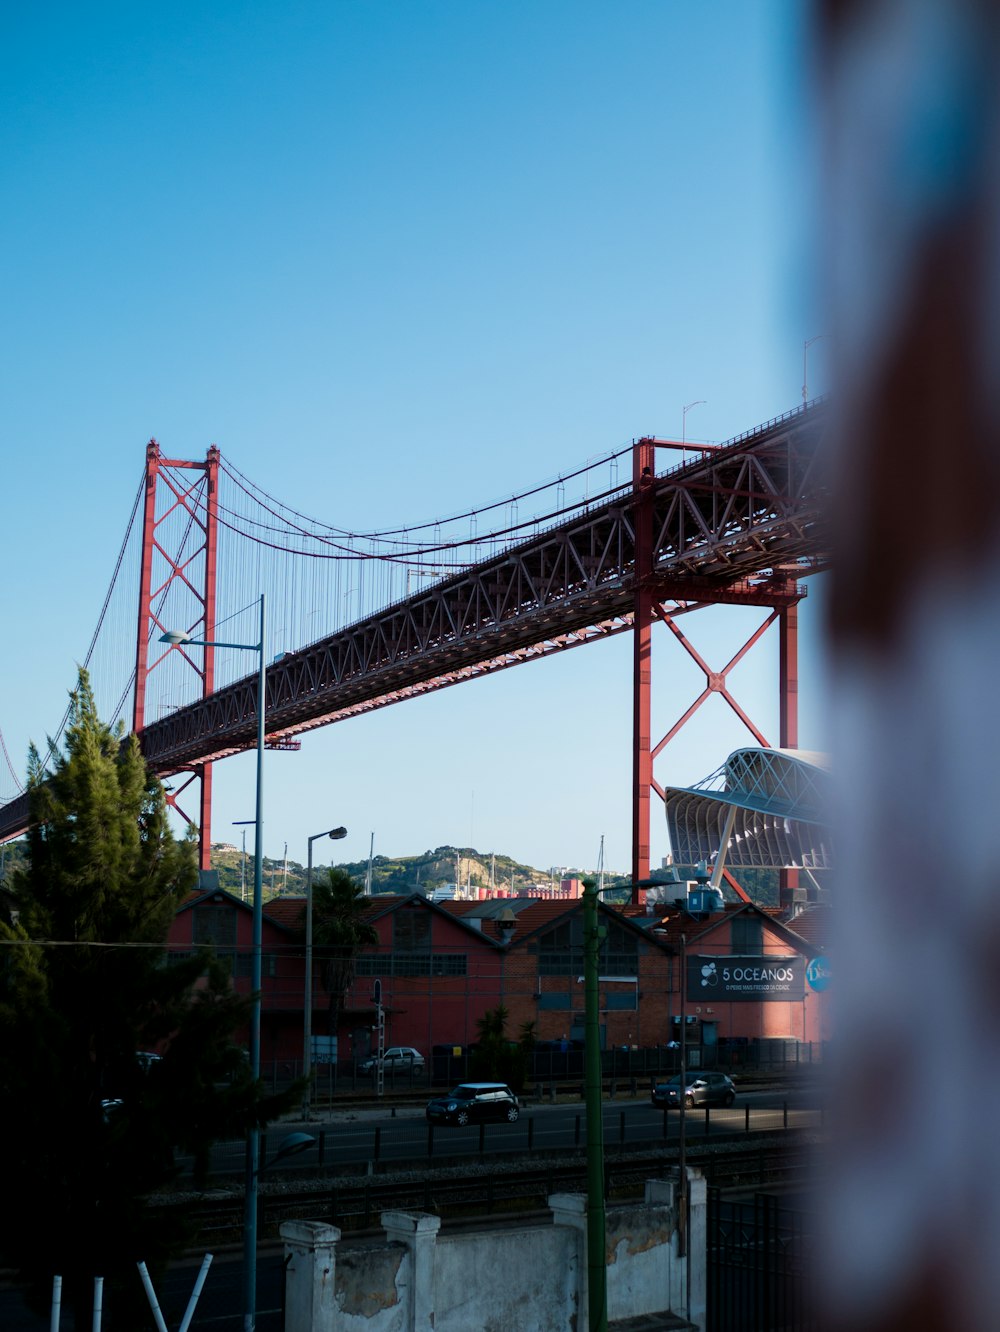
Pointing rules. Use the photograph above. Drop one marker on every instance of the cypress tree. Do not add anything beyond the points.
(86, 985)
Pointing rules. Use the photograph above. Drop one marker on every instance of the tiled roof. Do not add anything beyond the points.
(453, 908)
(815, 925)
(669, 927)
(539, 912)
(383, 903)
(530, 913)
(285, 911)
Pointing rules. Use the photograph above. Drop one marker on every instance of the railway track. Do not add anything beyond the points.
(461, 1194)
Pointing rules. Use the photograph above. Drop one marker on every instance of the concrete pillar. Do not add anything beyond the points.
(570, 1210)
(688, 1283)
(697, 1249)
(418, 1231)
(310, 1254)
(661, 1193)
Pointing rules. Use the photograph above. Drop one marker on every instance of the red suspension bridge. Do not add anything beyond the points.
(373, 618)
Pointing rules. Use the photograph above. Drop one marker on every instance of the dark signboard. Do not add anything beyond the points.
(734, 977)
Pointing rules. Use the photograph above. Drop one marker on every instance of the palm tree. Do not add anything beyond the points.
(340, 933)
(496, 1055)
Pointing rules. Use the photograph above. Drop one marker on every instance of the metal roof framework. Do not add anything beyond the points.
(762, 809)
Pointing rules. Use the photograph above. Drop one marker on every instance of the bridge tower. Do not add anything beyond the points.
(780, 595)
(194, 568)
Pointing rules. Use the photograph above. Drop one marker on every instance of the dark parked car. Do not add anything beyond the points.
(700, 1089)
(473, 1101)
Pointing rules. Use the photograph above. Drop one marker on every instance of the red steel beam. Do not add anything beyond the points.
(157, 474)
(643, 470)
(788, 705)
(145, 578)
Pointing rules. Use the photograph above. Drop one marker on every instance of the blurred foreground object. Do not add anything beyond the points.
(911, 101)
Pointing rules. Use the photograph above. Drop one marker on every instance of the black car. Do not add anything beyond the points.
(474, 1101)
(699, 1089)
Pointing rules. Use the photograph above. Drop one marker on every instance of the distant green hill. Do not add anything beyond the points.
(411, 874)
(401, 874)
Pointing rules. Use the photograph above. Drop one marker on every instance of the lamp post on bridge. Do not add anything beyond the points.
(698, 402)
(805, 364)
(334, 834)
(178, 638)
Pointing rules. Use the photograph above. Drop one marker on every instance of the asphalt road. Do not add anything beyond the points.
(373, 1134)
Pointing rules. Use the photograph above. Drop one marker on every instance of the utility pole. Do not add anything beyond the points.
(593, 933)
(682, 1198)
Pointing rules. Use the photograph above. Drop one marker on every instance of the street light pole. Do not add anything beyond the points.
(698, 402)
(334, 834)
(253, 1136)
(177, 638)
(682, 1189)
(597, 1304)
(243, 860)
(597, 1271)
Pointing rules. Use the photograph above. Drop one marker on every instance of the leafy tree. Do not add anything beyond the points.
(340, 933)
(85, 983)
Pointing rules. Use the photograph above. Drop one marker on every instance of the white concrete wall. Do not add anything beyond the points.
(506, 1279)
(529, 1279)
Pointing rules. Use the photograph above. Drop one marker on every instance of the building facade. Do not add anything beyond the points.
(734, 977)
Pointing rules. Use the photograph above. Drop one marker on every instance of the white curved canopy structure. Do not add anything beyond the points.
(763, 809)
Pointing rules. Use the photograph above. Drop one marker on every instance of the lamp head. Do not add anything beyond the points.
(293, 1143)
(335, 834)
(175, 636)
(290, 1145)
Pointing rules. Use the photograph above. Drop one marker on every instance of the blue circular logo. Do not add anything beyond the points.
(818, 973)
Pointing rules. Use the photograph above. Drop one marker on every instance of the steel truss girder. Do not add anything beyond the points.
(730, 527)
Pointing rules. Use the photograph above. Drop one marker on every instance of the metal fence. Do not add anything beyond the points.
(412, 1142)
(760, 1254)
(445, 1068)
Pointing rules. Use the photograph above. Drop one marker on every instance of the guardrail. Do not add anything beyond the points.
(411, 1143)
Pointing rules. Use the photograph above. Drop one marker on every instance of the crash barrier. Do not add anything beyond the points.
(412, 1141)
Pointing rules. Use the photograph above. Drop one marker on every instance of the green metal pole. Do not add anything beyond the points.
(597, 1294)
(253, 1134)
(681, 1107)
(308, 998)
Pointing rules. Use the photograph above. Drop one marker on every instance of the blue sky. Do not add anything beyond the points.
(397, 260)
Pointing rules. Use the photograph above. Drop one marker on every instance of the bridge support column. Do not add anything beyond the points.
(643, 458)
(788, 701)
(201, 504)
(205, 818)
(145, 581)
